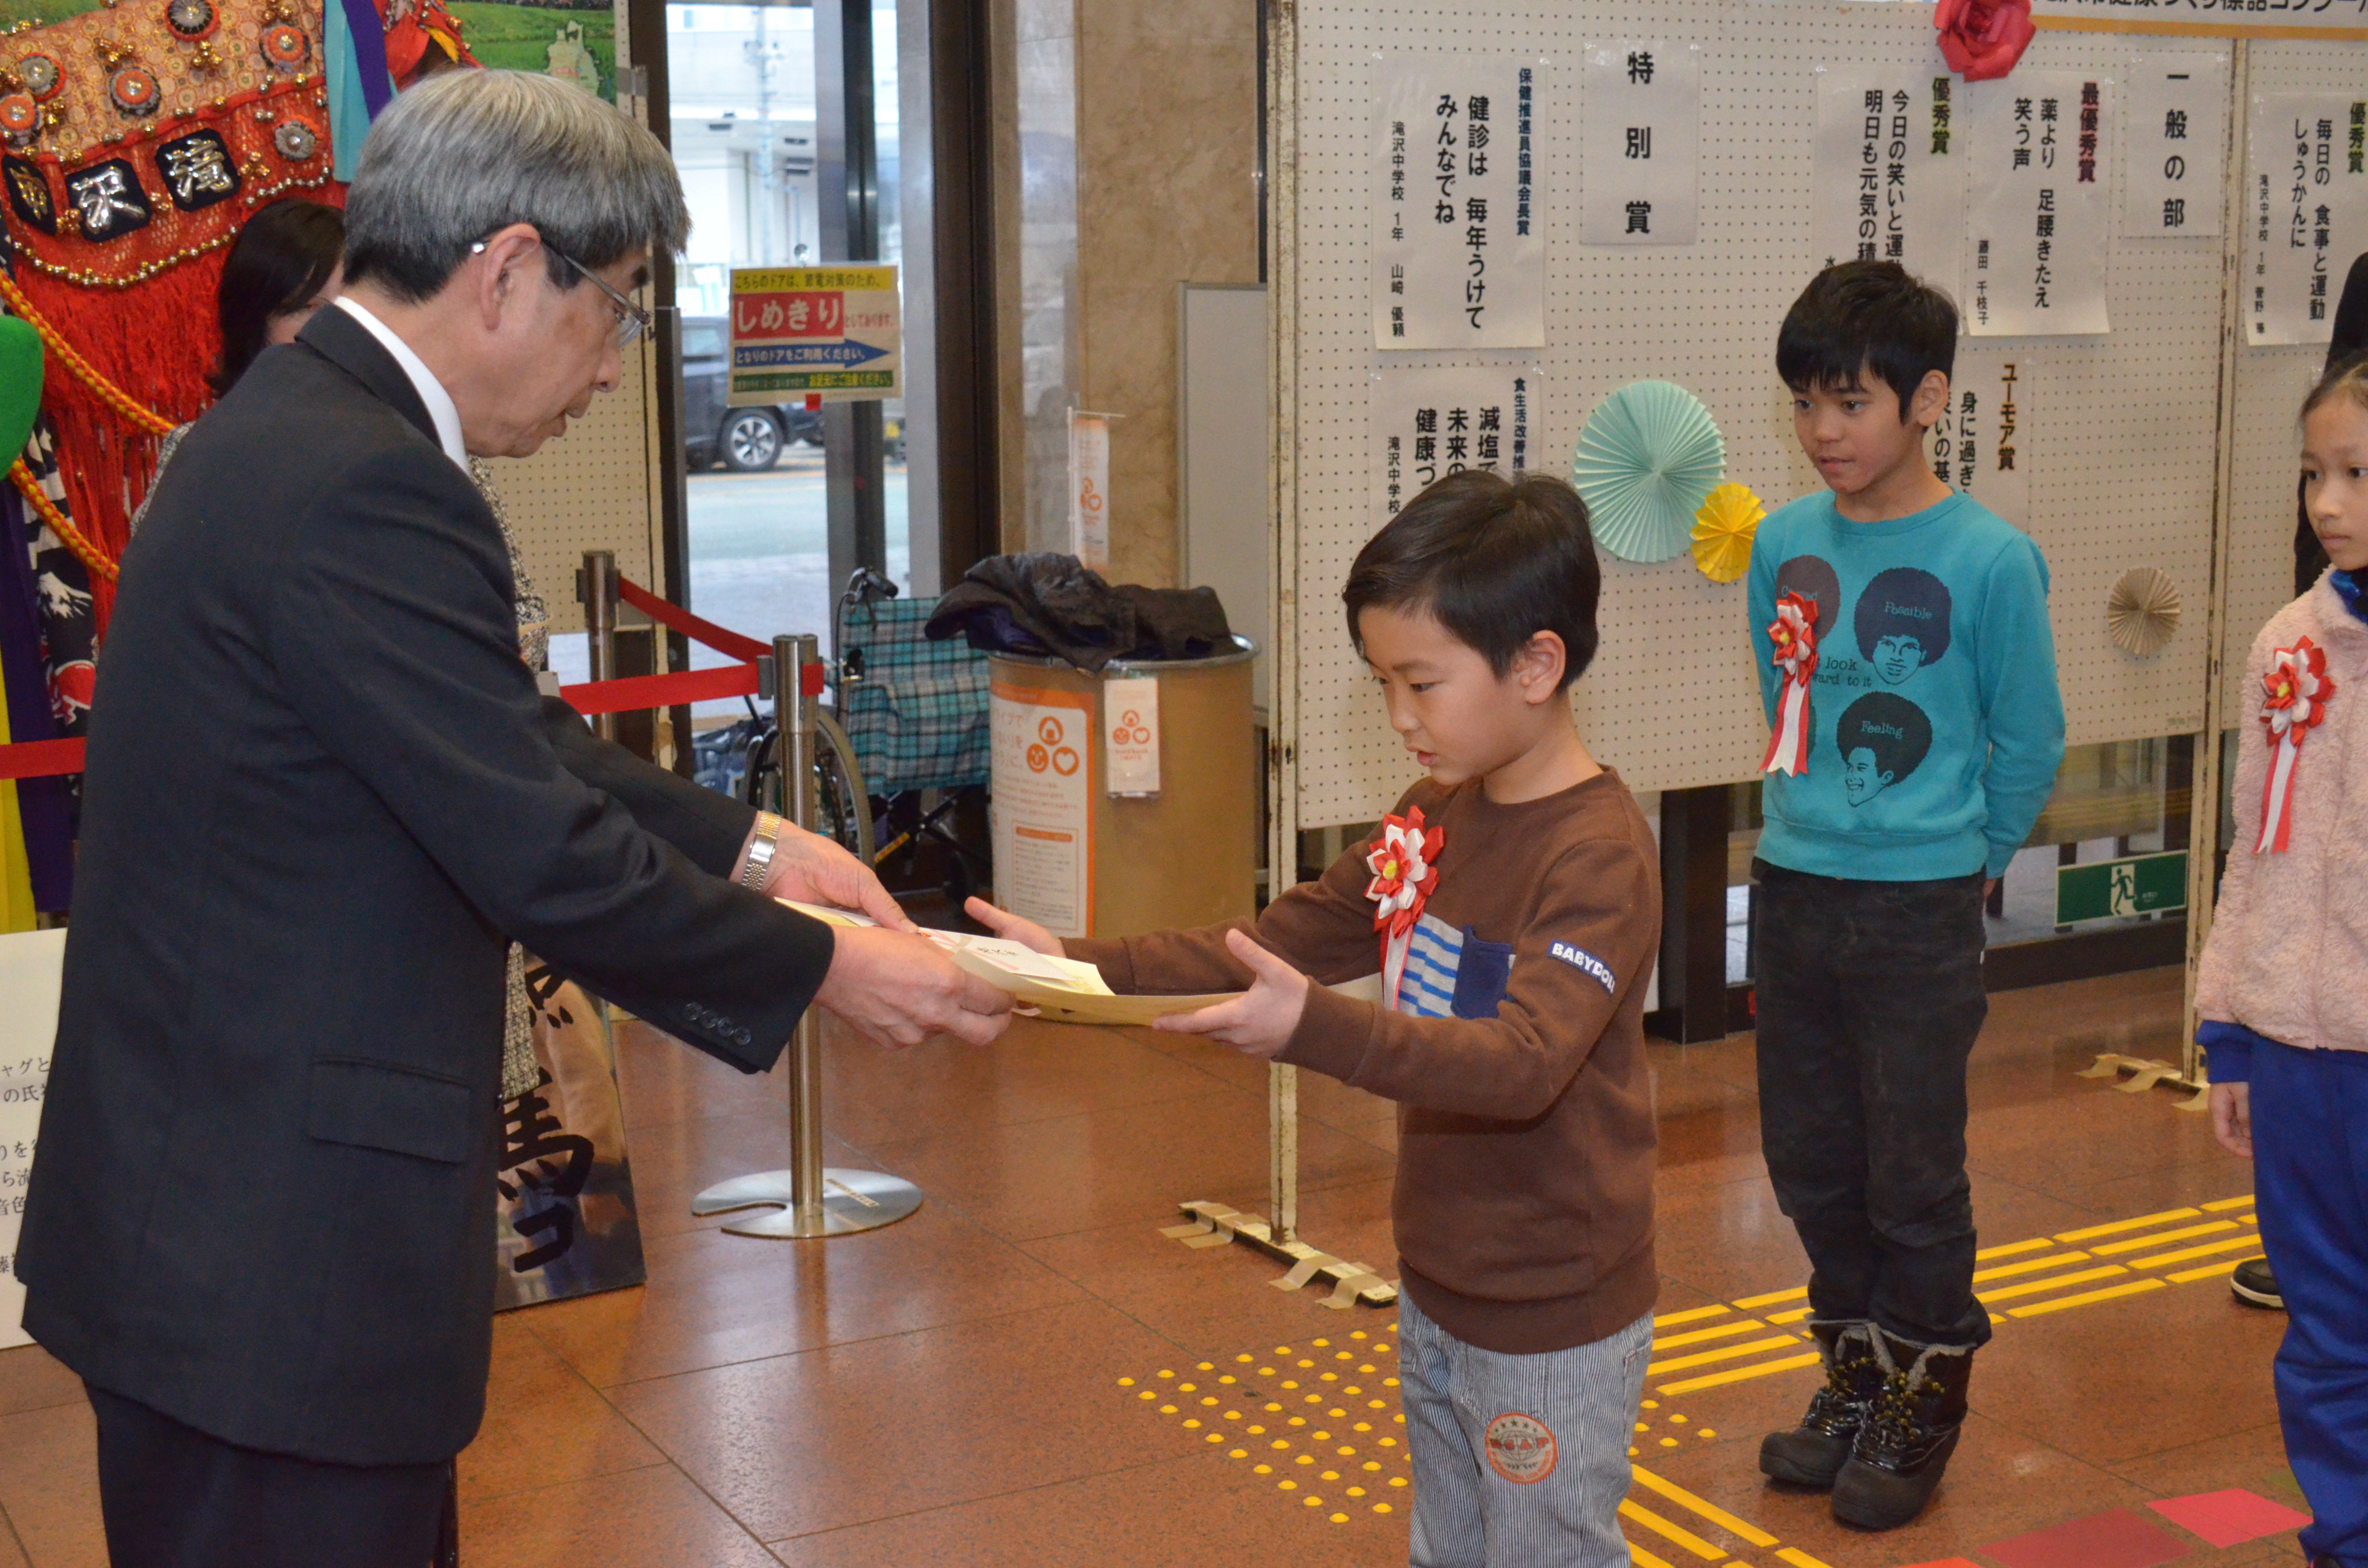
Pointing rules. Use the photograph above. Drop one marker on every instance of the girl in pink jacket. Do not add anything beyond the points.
(2282, 988)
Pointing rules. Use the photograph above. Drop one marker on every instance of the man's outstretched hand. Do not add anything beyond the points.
(1261, 1020)
(900, 990)
(1014, 928)
(814, 870)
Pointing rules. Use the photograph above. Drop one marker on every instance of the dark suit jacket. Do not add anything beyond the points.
(323, 791)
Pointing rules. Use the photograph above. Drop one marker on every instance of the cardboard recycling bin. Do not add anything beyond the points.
(1127, 800)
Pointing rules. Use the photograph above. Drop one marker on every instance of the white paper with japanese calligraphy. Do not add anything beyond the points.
(2307, 210)
(1640, 135)
(1459, 238)
(1887, 183)
(2176, 154)
(32, 966)
(1430, 422)
(1982, 446)
(2222, 16)
(2037, 231)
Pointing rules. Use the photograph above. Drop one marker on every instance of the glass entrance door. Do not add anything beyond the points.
(742, 90)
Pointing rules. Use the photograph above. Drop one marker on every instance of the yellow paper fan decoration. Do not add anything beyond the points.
(1723, 528)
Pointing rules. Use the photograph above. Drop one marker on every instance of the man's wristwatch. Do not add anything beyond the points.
(761, 852)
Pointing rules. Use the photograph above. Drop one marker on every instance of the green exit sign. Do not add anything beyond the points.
(2135, 884)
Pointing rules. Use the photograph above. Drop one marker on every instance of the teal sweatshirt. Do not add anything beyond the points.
(1935, 725)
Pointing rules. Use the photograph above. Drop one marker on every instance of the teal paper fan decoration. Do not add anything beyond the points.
(1648, 458)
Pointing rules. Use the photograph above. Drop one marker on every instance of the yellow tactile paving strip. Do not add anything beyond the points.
(2018, 1279)
(1321, 1419)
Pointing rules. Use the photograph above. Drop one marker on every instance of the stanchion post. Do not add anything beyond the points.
(807, 1200)
(596, 590)
(794, 719)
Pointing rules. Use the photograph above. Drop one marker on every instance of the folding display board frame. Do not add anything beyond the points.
(2211, 502)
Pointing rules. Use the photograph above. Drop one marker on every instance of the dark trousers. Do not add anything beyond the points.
(2310, 1172)
(1869, 997)
(174, 1497)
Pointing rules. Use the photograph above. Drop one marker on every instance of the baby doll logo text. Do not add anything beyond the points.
(1586, 963)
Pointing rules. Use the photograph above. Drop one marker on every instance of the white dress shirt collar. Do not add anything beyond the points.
(441, 406)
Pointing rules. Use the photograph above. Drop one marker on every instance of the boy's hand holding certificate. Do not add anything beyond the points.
(1061, 989)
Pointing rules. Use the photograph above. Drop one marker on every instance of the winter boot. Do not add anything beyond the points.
(1813, 1453)
(1910, 1432)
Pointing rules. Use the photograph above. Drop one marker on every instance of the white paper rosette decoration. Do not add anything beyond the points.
(1648, 458)
(2142, 611)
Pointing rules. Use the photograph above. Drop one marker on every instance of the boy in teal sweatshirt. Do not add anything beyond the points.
(1909, 676)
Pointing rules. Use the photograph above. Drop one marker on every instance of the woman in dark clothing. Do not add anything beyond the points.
(286, 263)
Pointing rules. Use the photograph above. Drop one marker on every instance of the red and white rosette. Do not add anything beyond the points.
(1792, 636)
(2294, 702)
(1404, 861)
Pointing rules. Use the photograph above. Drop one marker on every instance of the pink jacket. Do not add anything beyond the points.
(2288, 953)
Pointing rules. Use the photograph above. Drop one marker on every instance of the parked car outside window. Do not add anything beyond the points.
(747, 439)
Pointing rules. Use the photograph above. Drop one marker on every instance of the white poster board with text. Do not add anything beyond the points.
(31, 966)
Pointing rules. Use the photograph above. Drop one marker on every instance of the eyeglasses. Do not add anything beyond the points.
(631, 320)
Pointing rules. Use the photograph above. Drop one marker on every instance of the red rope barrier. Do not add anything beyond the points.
(631, 693)
(45, 759)
(40, 759)
(691, 626)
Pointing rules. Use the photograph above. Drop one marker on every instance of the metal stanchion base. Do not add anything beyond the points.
(852, 1201)
(1214, 1224)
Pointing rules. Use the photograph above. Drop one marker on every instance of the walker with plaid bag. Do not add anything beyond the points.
(916, 713)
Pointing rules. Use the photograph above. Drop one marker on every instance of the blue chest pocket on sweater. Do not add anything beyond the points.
(1451, 973)
(1480, 979)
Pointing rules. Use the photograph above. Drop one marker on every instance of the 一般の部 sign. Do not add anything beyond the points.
(836, 332)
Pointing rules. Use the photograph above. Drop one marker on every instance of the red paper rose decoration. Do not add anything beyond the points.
(1981, 39)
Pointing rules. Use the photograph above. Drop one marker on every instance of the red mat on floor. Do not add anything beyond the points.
(2118, 1539)
(2229, 1518)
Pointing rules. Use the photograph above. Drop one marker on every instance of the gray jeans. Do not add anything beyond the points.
(1520, 1461)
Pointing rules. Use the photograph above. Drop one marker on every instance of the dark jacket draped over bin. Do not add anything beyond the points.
(1043, 603)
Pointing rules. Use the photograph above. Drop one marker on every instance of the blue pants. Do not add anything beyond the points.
(1520, 1461)
(2310, 1165)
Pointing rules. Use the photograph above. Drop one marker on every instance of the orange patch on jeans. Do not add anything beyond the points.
(1521, 1449)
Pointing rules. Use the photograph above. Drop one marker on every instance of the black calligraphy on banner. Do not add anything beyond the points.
(2309, 209)
(2035, 213)
(1430, 423)
(1881, 191)
(1474, 274)
(1640, 125)
(539, 1157)
(567, 1225)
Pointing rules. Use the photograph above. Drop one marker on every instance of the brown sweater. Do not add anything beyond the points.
(1526, 1146)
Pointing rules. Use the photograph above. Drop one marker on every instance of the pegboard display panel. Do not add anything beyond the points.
(2120, 429)
(2270, 385)
(588, 490)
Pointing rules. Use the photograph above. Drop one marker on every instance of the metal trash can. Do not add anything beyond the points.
(1082, 862)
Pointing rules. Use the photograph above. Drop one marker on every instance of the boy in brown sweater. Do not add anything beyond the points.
(1512, 904)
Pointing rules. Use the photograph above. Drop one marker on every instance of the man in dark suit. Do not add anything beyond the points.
(322, 793)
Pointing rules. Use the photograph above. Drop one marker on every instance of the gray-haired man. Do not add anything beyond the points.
(322, 792)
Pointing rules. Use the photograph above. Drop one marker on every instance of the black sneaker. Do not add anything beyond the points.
(2253, 1284)
(1813, 1453)
(1911, 1429)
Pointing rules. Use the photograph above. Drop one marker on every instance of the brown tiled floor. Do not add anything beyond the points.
(946, 1391)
